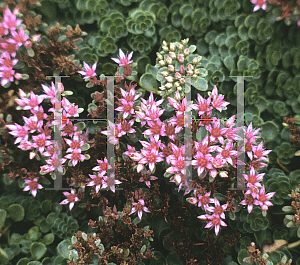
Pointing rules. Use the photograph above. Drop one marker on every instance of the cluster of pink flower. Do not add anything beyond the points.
(210, 158)
(10, 45)
(150, 113)
(253, 196)
(42, 141)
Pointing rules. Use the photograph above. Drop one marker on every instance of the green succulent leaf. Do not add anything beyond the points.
(80, 126)
(242, 258)
(2, 218)
(200, 83)
(269, 130)
(38, 250)
(16, 212)
(3, 256)
(148, 82)
(49, 238)
(63, 249)
(287, 209)
(229, 62)
(23, 261)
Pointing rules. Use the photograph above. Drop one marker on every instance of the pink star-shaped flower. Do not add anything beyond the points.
(139, 207)
(124, 60)
(71, 198)
(88, 72)
(33, 186)
(259, 4)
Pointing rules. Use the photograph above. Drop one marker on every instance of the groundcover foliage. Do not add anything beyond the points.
(150, 211)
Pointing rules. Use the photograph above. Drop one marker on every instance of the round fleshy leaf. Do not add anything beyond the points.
(3, 256)
(16, 212)
(148, 82)
(80, 126)
(242, 257)
(49, 238)
(25, 76)
(192, 48)
(200, 83)
(38, 250)
(85, 147)
(23, 261)
(229, 62)
(141, 64)
(62, 248)
(269, 130)
(30, 52)
(2, 218)
(287, 209)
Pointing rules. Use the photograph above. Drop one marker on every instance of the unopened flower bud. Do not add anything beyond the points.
(169, 60)
(190, 72)
(36, 37)
(169, 78)
(195, 60)
(161, 62)
(28, 44)
(223, 174)
(172, 46)
(181, 69)
(162, 88)
(186, 51)
(32, 155)
(165, 48)
(190, 67)
(159, 56)
(180, 46)
(197, 71)
(177, 95)
(184, 42)
(194, 75)
(182, 80)
(21, 93)
(16, 11)
(18, 76)
(165, 43)
(176, 84)
(164, 73)
(168, 85)
(179, 88)
(177, 75)
(171, 67)
(173, 55)
(180, 58)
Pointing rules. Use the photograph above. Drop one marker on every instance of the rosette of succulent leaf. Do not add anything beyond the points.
(176, 62)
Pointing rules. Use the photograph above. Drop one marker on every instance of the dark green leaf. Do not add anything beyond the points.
(38, 250)
(16, 212)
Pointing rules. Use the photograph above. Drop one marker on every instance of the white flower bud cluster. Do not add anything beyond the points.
(174, 78)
